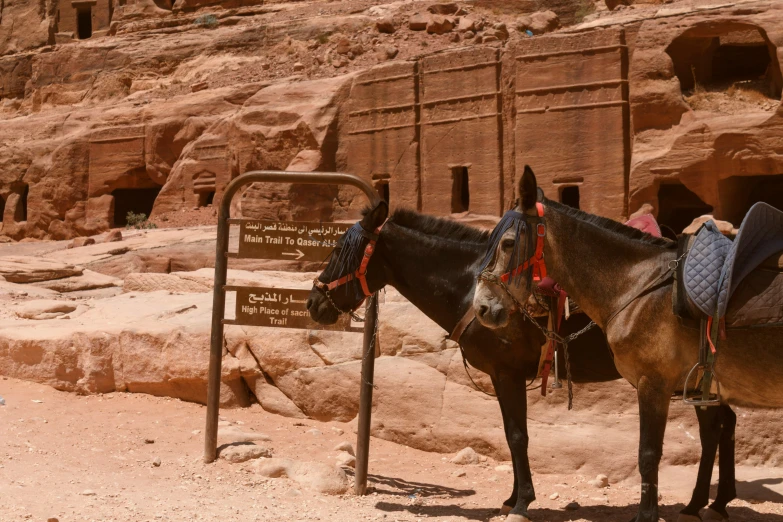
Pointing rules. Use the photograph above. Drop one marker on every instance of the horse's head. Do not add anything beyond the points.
(506, 274)
(353, 272)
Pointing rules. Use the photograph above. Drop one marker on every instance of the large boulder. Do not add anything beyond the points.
(539, 22)
(441, 24)
(419, 21)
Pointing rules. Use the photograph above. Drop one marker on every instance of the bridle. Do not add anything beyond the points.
(359, 274)
(536, 261)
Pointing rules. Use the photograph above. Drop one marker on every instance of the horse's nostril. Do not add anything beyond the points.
(309, 303)
(482, 311)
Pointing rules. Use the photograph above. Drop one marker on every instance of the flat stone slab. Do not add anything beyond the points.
(23, 269)
(88, 280)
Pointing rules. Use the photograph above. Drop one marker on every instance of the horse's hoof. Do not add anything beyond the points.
(517, 518)
(688, 518)
(505, 509)
(713, 516)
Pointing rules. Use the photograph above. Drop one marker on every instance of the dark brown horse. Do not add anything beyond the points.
(432, 262)
(614, 273)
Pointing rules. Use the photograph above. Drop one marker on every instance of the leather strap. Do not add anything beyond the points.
(361, 272)
(663, 278)
(557, 321)
(537, 259)
(462, 325)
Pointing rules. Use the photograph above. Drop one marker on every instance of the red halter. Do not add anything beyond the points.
(537, 259)
(361, 272)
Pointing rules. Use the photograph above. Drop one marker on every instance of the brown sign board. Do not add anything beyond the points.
(279, 308)
(293, 241)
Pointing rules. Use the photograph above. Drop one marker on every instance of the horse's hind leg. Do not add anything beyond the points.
(653, 410)
(511, 393)
(509, 504)
(727, 490)
(710, 435)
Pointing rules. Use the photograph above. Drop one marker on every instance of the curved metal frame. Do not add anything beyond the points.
(219, 309)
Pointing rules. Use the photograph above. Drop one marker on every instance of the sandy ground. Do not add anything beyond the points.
(91, 458)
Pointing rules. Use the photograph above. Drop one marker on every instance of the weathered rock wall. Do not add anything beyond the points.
(716, 152)
(606, 112)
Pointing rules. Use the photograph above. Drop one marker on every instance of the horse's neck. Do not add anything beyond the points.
(436, 275)
(598, 269)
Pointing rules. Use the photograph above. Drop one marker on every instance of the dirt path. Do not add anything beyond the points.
(93, 458)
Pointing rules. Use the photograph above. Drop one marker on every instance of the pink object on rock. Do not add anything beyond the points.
(645, 223)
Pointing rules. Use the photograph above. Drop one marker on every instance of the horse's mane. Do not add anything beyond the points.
(613, 226)
(441, 227)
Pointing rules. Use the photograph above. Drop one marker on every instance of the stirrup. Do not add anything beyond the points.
(698, 400)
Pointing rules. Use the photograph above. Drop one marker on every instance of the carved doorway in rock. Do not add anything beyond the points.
(736, 61)
(205, 199)
(739, 193)
(17, 201)
(570, 196)
(678, 206)
(21, 208)
(84, 20)
(136, 200)
(460, 189)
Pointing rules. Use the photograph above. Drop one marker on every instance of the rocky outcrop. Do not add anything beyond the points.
(154, 338)
(703, 143)
(158, 112)
(271, 131)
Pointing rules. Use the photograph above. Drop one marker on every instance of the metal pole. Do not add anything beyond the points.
(557, 384)
(221, 271)
(365, 395)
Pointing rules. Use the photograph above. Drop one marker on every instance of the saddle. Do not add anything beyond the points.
(738, 281)
(729, 284)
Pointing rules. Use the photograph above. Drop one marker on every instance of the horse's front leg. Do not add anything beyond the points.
(511, 395)
(653, 410)
(509, 504)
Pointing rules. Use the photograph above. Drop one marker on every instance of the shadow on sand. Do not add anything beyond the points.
(588, 513)
(755, 490)
(401, 487)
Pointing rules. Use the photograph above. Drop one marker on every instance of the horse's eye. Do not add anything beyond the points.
(507, 244)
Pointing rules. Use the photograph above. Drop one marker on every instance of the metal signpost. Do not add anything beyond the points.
(284, 308)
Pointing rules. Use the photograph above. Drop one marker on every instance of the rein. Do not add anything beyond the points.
(537, 263)
(551, 335)
(359, 274)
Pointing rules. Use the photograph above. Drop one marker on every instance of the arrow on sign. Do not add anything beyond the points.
(300, 254)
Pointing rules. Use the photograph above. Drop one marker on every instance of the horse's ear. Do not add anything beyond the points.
(540, 194)
(376, 216)
(528, 189)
